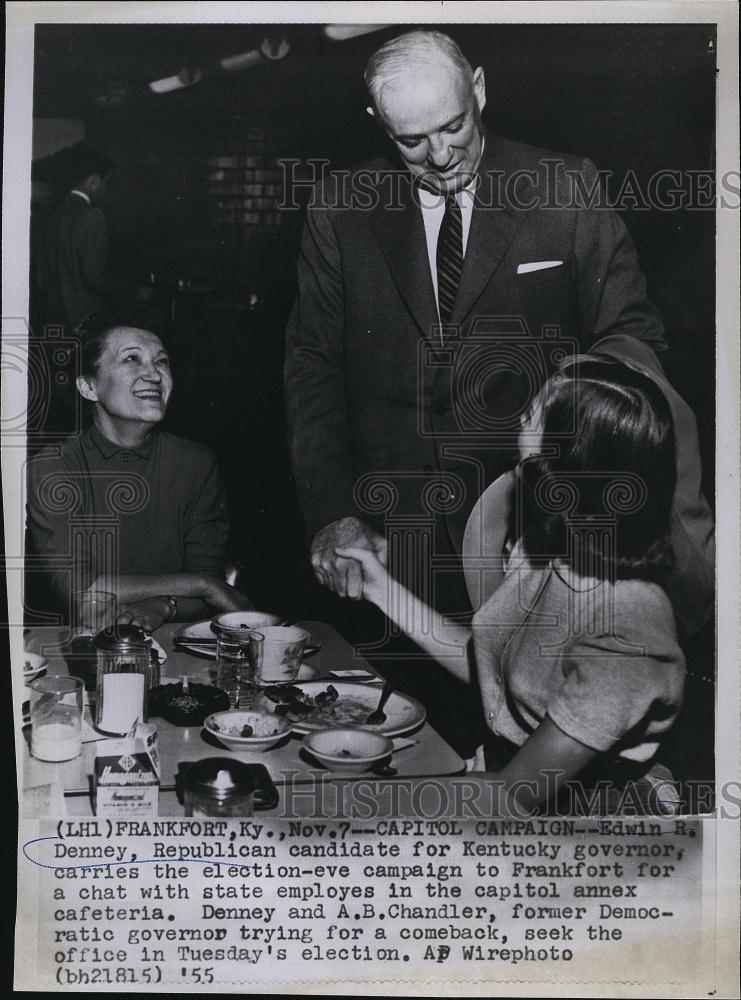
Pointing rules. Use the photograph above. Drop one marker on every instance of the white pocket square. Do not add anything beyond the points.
(537, 265)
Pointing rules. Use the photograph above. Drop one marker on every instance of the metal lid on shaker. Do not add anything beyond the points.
(220, 778)
(122, 639)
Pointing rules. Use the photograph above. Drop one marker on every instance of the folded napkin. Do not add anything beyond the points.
(401, 743)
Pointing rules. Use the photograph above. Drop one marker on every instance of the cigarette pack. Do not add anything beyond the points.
(126, 775)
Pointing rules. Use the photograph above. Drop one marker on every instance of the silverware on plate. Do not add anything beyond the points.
(378, 715)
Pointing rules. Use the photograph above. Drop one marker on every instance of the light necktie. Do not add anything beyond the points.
(449, 257)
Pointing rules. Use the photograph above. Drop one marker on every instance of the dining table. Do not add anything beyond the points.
(420, 753)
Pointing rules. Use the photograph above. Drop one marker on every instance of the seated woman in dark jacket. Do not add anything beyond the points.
(123, 506)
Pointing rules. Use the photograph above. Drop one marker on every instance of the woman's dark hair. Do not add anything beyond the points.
(94, 329)
(599, 496)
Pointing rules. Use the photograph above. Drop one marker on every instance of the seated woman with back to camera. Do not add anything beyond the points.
(127, 508)
(576, 650)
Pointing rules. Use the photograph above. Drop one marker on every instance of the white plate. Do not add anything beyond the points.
(202, 630)
(403, 713)
(196, 631)
(38, 666)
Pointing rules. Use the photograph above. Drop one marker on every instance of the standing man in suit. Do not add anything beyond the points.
(436, 292)
(74, 274)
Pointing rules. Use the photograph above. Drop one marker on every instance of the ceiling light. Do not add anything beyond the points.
(341, 32)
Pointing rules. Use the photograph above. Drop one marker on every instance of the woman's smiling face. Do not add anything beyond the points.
(132, 382)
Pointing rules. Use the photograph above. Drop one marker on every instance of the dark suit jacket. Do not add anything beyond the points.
(386, 417)
(73, 269)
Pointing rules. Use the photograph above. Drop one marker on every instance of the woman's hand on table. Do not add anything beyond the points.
(223, 597)
(148, 614)
(198, 594)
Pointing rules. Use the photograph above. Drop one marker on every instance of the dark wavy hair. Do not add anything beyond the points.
(599, 496)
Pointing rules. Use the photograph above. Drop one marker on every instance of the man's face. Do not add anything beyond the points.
(132, 383)
(95, 186)
(433, 117)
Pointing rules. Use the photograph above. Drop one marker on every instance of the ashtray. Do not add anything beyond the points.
(189, 707)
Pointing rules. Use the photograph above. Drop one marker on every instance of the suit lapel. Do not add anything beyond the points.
(494, 224)
(401, 236)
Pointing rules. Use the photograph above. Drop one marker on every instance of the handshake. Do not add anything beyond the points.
(350, 559)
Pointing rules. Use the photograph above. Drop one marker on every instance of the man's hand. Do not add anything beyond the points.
(342, 575)
(147, 614)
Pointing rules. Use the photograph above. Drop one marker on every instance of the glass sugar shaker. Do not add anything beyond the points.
(123, 678)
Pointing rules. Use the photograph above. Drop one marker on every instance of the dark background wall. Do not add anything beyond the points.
(196, 192)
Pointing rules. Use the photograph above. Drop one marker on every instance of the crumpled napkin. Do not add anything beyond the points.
(160, 650)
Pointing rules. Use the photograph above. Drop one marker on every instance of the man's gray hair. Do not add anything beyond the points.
(418, 48)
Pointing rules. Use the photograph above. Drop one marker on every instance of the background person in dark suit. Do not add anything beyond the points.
(74, 274)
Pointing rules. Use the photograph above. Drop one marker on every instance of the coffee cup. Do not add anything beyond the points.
(279, 656)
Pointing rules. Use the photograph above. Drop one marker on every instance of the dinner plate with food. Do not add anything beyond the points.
(321, 705)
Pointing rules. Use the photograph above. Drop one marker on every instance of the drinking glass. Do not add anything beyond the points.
(56, 717)
(235, 667)
(93, 611)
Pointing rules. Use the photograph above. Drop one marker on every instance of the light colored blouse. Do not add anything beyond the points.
(600, 659)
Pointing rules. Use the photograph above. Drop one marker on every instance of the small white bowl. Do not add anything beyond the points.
(347, 750)
(235, 623)
(33, 665)
(268, 729)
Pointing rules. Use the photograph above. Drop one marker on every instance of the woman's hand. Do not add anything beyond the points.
(148, 614)
(222, 597)
(375, 576)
